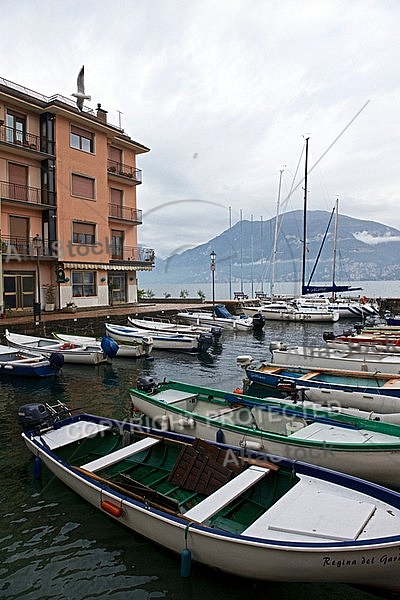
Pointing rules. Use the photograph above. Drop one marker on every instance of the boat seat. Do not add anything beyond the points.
(226, 494)
(114, 457)
(68, 434)
(171, 396)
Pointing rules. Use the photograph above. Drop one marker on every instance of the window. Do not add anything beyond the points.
(19, 233)
(116, 202)
(117, 244)
(83, 233)
(83, 186)
(16, 128)
(18, 181)
(81, 139)
(83, 284)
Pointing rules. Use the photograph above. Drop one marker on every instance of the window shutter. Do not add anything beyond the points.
(83, 186)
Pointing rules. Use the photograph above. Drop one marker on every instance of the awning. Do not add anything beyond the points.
(107, 267)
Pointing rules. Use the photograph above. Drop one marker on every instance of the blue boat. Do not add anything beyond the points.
(22, 363)
(354, 389)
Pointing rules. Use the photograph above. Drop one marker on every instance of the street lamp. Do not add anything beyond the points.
(213, 256)
(37, 243)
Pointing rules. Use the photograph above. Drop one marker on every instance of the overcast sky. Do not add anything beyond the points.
(223, 93)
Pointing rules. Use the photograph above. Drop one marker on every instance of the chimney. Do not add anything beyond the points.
(101, 114)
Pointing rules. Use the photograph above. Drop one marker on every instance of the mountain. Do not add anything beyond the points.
(366, 251)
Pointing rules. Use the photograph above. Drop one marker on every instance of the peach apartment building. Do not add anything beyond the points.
(69, 215)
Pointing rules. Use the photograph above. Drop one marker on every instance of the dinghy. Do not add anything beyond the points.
(161, 341)
(245, 514)
(133, 350)
(21, 363)
(379, 392)
(333, 358)
(223, 318)
(80, 354)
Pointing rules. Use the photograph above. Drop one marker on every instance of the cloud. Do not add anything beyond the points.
(236, 84)
(372, 240)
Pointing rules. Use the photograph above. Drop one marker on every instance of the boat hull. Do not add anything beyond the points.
(170, 342)
(326, 358)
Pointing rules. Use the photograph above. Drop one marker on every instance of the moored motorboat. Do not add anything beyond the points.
(79, 354)
(221, 317)
(379, 392)
(278, 311)
(177, 342)
(249, 514)
(155, 325)
(15, 362)
(333, 358)
(357, 446)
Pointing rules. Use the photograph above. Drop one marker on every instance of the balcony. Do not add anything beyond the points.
(23, 248)
(23, 141)
(125, 213)
(16, 193)
(132, 254)
(127, 172)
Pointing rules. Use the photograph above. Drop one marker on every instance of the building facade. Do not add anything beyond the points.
(69, 216)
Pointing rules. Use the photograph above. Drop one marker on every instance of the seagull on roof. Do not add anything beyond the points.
(80, 94)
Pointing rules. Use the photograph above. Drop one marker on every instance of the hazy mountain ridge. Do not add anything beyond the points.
(366, 250)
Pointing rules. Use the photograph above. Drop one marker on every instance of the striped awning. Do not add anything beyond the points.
(107, 267)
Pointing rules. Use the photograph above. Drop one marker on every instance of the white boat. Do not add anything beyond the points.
(263, 518)
(343, 442)
(177, 342)
(229, 321)
(287, 311)
(155, 325)
(136, 350)
(347, 308)
(80, 354)
(333, 358)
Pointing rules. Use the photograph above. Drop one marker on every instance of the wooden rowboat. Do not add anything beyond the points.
(250, 515)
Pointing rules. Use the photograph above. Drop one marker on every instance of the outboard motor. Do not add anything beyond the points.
(56, 360)
(205, 342)
(32, 415)
(109, 346)
(328, 336)
(40, 416)
(216, 331)
(146, 384)
(258, 321)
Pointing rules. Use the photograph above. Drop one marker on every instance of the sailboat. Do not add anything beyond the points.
(345, 307)
(289, 310)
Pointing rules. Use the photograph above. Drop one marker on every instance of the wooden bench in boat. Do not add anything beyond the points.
(226, 494)
(114, 457)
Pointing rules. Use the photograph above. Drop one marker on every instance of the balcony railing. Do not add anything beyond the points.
(131, 253)
(116, 211)
(24, 248)
(23, 139)
(116, 168)
(25, 193)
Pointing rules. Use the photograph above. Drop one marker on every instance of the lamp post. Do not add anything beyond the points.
(213, 256)
(37, 242)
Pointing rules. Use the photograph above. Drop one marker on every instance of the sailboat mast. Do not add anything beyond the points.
(276, 235)
(303, 273)
(335, 246)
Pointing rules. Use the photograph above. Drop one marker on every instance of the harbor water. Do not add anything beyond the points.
(55, 546)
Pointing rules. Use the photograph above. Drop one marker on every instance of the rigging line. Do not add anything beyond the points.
(329, 147)
(321, 247)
